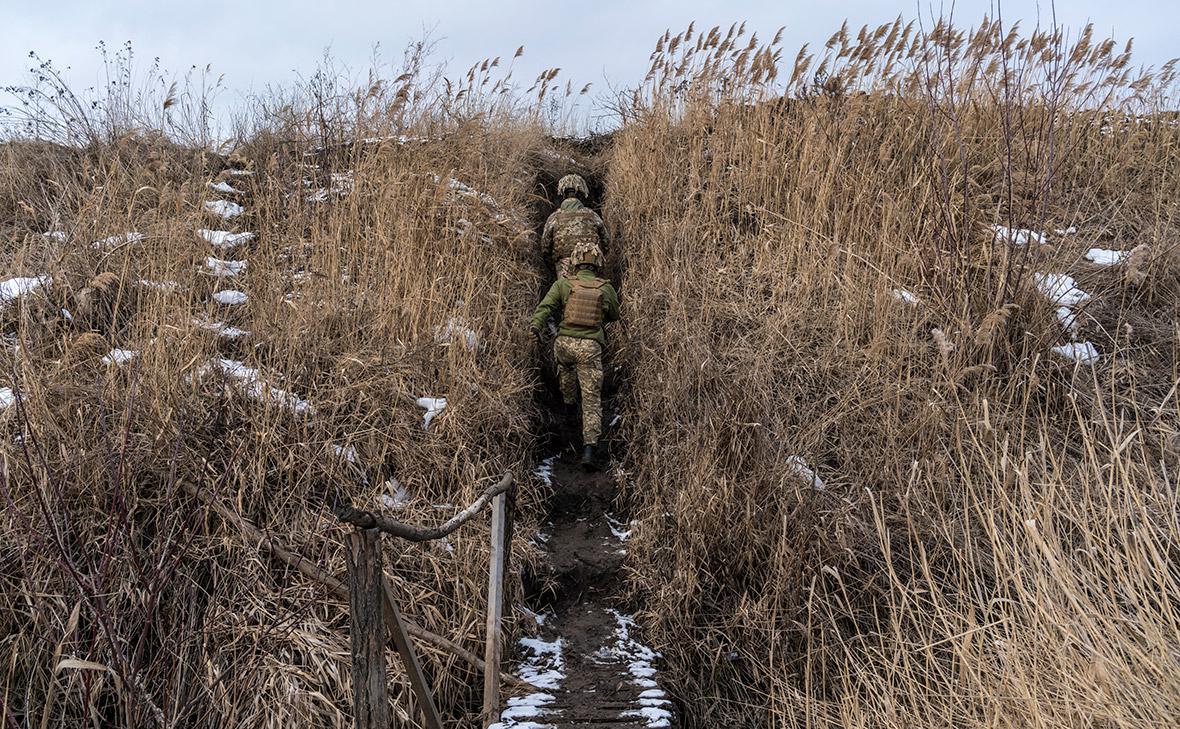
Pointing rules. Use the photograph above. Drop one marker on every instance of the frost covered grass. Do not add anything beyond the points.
(852, 284)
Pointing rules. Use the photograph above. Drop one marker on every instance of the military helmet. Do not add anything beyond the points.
(587, 254)
(575, 183)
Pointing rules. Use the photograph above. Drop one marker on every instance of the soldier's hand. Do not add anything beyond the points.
(535, 332)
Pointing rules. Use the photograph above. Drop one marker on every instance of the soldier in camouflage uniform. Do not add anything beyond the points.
(571, 224)
(583, 303)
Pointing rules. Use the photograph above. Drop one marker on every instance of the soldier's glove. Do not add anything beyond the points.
(535, 332)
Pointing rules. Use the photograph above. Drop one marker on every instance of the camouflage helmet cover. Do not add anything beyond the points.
(587, 254)
(575, 183)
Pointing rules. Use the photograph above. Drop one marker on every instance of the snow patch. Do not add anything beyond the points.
(230, 297)
(654, 708)
(1105, 257)
(398, 497)
(224, 188)
(14, 288)
(221, 329)
(1060, 289)
(119, 356)
(616, 528)
(169, 286)
(1019, 236)
(457, 331)
(225, 239)
(1080, 352)
(545, 666)
(905, 296)
(544, 470)
(57, 235)
(7, 398)
(433, 406)
(223, 268)
(798, 466)
(223, 209)
(250, 381)
(117, 240)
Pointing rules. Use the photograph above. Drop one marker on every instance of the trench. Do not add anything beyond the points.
(585, 654)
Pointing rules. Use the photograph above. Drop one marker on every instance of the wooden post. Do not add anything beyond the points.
(491, 674)
(401, 640)
(366, 580)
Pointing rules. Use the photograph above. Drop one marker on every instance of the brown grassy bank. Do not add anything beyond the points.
(994, 540)
(381, 272)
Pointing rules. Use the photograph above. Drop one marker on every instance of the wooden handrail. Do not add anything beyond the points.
(335, 586)
(496, 567)
(370, 520)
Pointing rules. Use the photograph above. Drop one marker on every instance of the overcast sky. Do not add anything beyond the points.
(259, 42)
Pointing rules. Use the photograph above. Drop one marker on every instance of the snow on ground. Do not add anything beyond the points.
(230, 297)
(239, 173)
(221, 329)
(544, 667)
(1080, 352)
(653, 705)
(798, 466)
(224, 187)
(905, 296)
(168, 286)
(398, 496)
(1105, 257)
(347, 453)
(7, 398)
(223, 268)
(118, 240)
(1068, 318)
(1019, 236)
(544, 470)
(225, 239)
(433, 406)
(224, 208)
(456, 331)
(57, 235)
(119, 356)
(617, 528)
(14, 288)
(1071, 230)
(1060, 289)
(251, 382)
(340, 184)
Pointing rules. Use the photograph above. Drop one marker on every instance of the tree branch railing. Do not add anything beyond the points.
(365, 560)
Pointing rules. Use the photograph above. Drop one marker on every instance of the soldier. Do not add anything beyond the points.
(583, 302)
(571, 224)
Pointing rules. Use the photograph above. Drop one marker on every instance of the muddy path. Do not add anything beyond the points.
(586, 656)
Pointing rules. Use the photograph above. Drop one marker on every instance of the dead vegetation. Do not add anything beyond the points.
(815, 288)
(867, 491)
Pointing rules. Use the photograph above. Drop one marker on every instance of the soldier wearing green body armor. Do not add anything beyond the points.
(583, 303)
(571, 225)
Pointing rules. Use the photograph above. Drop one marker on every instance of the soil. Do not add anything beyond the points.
(581, 597)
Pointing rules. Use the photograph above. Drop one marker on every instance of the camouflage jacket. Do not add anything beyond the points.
(569, 225)
(553, 305)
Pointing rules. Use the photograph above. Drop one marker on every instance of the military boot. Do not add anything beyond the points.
(588, 462)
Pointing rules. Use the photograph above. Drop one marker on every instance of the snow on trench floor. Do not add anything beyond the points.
(544, 668)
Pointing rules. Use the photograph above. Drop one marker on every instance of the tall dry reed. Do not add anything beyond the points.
(814, 288)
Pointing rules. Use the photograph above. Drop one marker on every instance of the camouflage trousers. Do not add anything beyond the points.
(579, 366)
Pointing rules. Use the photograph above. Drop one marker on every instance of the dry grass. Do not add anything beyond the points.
(994, 543)
(124, 602)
